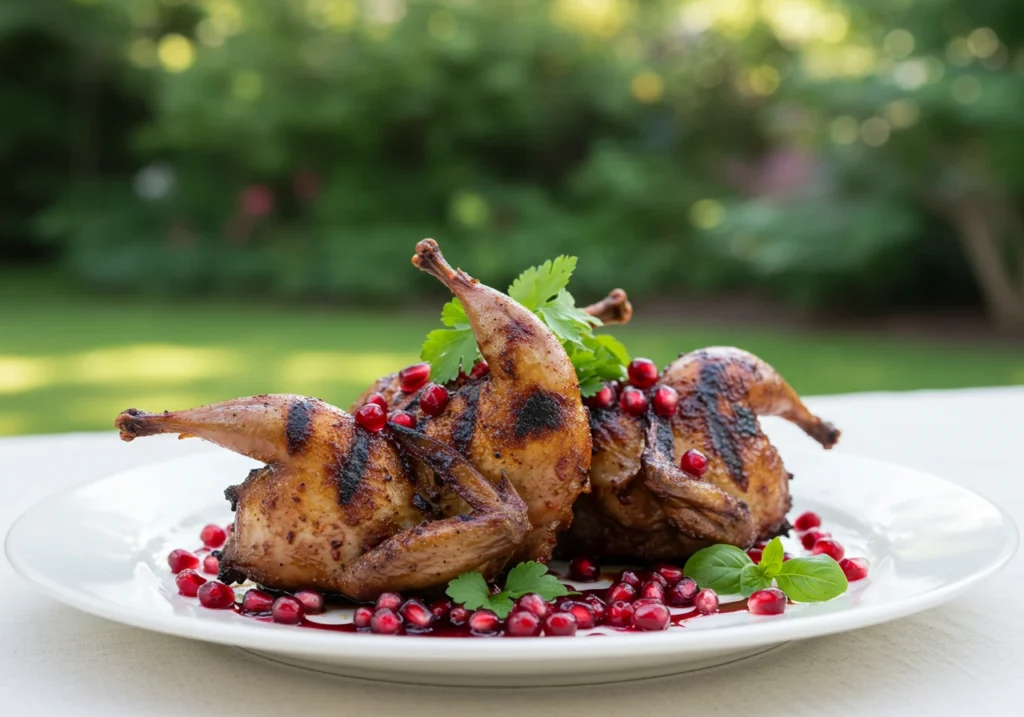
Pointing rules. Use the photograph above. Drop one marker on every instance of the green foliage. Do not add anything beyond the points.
(471, 590)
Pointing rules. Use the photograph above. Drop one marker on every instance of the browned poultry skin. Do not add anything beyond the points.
(643, 506)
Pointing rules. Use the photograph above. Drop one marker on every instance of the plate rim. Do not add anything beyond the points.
(462, 652)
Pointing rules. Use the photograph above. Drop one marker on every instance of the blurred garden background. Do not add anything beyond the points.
(208, 198)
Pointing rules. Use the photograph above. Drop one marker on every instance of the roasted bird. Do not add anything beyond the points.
(344, 509)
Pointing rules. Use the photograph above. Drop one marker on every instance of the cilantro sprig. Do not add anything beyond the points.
(727, 569)
(471, 590)
(542, 290)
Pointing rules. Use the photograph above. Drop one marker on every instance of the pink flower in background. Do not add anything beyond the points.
(256, 200)
(306, 184)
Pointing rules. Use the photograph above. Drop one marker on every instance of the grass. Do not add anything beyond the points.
(70, 362)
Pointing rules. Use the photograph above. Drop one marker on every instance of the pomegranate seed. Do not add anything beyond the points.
(534, 603)
(755, 555)
(434, 400)
(182, 560)
(620, 614)
(642, 373)
(629, 577)
(523, 623)
(379, 399)
(211, 564)
(213, 536)
(402, 418)
(633, 402)
(560, 624)
(371, 417)
(665, 401)
(682, 593)
(597, 605)
(811, 537)
(651, 617)
(391, 601)
(287, 610)
(806, 521)
(362, 616)
(312, 601)
(257, 601)
(440, 608)
(216, 595)
(653, 590)
(671, 573)
(584, 614)
(458, 615)
(657, 578)
(480, 369)
(189, 582)
(416, 616)
(829, 547)
(786, 557)
(694, 462)
(484, 623)
(584, 569)
(854, 568)
(770, 601)
(621, 592)
(604, 398)
(706, 601)
(413, 378)
(385, 622)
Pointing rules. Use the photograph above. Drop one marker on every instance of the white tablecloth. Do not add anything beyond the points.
(964, 658)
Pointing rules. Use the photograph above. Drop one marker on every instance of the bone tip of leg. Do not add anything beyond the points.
(428, 254)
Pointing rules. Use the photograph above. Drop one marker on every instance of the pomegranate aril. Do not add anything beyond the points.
(523, 623)
(362, 616)
(458, 615)
(434, 400)
(806, 521)
(682, 593)
(391, 601)
(620, 614)
(706, 602)
(312, 601)
(560, 624)
(257, 601)
(480, 369)
(213, 536)
(584, 614)
(413, 378)
(633, 402)
(189, 582)
(371, 417)
(532, 602)
(770, 601)
(653, 590)
(665, 401)
(484, 623)
(416, 616)
(651, 617)
(829, 547)
(440, 608)
(811, 537)
(385, 622)
(379, 399)
(584, 569)
(854, 568)
(628, 576)
(755, 555)
(216, 595)
(598, 605)
(287, 610)
(694, 462)
(604, 398)
(179, 560)
(621, 592)
(403, 418)
(657, 578)
(211, 564)
(642, 373)
(671, 573)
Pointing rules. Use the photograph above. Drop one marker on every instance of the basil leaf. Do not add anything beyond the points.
(771, 558)
(752, 579)
(718, 567)
(811, 579)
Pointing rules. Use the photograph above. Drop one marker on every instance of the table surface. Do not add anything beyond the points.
(962, 658)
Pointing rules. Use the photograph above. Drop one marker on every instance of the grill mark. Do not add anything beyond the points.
(299, 425)
(540, 412)
(666, 437)
(465, 424)
(351, 470)
(710, 385)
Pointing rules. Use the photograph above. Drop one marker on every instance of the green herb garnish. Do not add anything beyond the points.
(727, 569)
(542, 290)
(471, 590)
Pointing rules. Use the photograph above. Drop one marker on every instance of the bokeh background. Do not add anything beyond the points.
(208, 198)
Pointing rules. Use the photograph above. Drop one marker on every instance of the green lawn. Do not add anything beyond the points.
(70, 363)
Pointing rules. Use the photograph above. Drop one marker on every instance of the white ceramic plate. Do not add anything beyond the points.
(102, 548)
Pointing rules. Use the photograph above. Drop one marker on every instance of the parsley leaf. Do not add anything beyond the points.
(454, 314)
(448, 350)
(533, 577)
(539, 283)
(471, 590)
